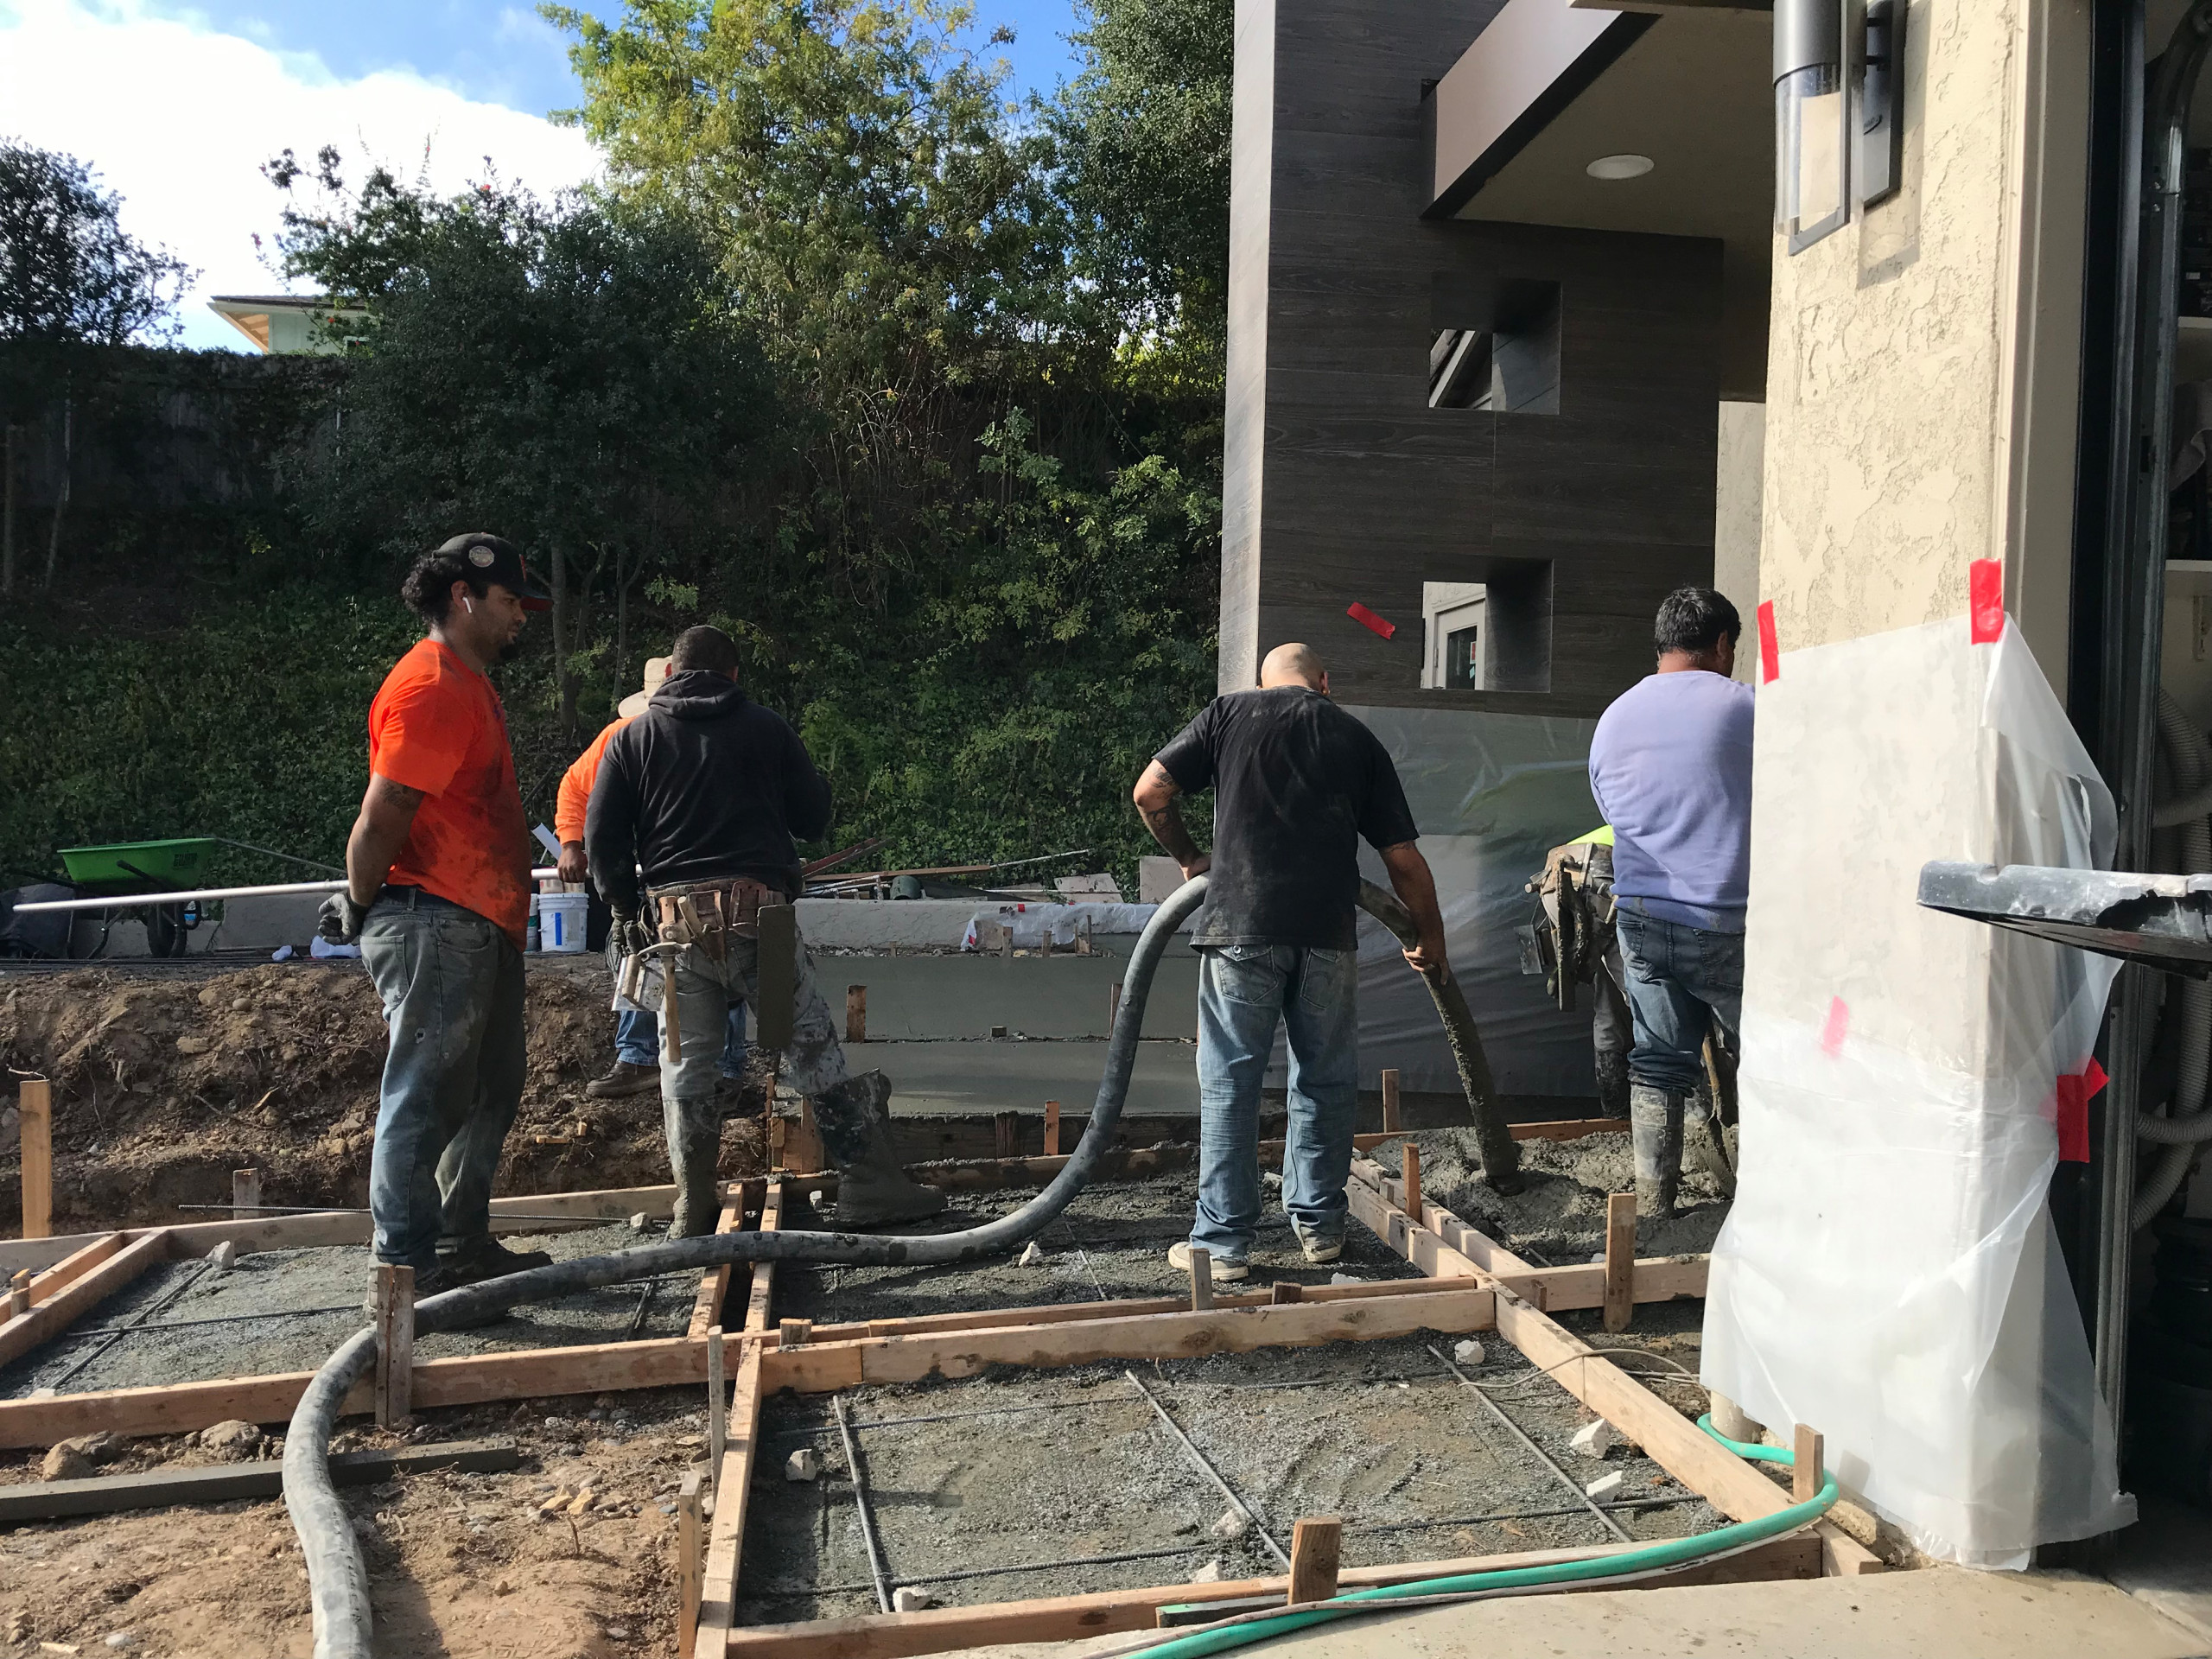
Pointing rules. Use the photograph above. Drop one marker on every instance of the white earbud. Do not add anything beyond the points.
(470, 603)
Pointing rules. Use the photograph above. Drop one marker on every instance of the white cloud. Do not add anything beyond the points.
(179, 118)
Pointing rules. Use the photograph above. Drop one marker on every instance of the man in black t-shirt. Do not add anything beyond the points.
(1298, 784)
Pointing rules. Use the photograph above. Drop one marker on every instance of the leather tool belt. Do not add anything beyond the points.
(707, 914)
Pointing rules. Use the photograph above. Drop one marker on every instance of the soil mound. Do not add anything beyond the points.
(163, 1086)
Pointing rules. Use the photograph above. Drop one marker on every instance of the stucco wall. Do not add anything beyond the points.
(1920, 380)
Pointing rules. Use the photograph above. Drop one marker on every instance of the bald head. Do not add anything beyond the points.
(1295, 664)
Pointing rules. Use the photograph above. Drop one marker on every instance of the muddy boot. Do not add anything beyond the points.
(1612, 1084)
(1655, 1125)
(1705, 1149)
(873, 1191)
(694, 1142)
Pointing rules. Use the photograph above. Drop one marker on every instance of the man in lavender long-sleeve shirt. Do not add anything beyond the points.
(1670, 766)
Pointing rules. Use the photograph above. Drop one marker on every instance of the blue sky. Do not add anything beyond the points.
(177, 105)
(501, 53)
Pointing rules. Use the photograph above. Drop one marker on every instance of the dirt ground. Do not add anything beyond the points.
(461, 1564)
(165, 1083)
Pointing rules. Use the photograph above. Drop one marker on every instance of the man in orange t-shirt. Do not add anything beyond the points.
(437, 891)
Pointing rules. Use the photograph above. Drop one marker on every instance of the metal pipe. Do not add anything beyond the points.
(1211, 1473)
(274, 890)
(1537, 1452)
(860, 1502)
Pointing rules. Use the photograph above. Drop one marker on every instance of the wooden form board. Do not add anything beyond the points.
(837, 1356)
(1064, 1618)
(517, 1213)
(80, 1294)
(717, 1613)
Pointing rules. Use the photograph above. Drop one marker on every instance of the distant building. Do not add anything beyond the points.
(282, 324)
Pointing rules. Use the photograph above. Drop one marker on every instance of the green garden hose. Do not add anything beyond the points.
(1666, 1556)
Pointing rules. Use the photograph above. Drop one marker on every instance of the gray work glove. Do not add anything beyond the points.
(626, 936)
(340, 919)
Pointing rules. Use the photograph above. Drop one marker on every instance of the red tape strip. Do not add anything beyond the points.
(2075, 1093)
(1770, 647)
(1837, 1028)
(1367, 619)
(1986, 600)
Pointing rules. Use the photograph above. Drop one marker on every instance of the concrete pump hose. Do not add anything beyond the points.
(1500, 1152)
(338, 1583)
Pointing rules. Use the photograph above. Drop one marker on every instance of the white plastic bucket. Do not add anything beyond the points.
(561, 920)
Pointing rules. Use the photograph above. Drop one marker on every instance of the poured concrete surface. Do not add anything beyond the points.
(1938, 1613)
(2165, 1559)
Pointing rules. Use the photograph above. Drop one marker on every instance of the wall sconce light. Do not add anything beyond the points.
(1812, 113)
(1819, 148)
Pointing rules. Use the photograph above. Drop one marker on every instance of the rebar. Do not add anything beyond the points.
(1211, 1473)
(167, 1300)
(860, 1503)
(1535, 1450)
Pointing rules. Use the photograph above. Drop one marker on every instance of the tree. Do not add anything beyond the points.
(1144, 133)
(571, 375)
(70, 277)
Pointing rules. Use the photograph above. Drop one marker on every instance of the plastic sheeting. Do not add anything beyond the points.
(1491, 794)
(1889, 1273)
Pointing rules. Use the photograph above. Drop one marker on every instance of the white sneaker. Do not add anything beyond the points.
(1321, 1250)
(1224, 1271)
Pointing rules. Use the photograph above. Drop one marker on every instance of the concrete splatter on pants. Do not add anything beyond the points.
(812, 1065)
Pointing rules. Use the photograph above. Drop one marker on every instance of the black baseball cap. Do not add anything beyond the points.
(494, 558)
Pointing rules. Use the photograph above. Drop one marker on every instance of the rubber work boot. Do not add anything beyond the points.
(1704, 1147)
(695, 1142)
(873, 1191)
(624, 1080)
(1655, 1125)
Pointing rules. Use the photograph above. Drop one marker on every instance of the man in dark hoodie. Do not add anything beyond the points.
(706, 789)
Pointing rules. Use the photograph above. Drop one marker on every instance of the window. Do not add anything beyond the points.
(1497, 349)
(1493, 635)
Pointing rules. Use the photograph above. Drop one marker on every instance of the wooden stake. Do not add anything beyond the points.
(688, 1564)
(1806, 1479)
(395, 1344)
(1051, 1128)
(1007, 1126)
(35, 1102)
(1412, 1174)
(857, 1013)
(1390, 1102)
(1316, 1548)
(794, 1333)
(1620, 1260)
(245, 1192)
(19, 1294)
(717, 1401)
(1201, 1280)
(1285, 1291)
(804, 1150)
(1113, 1006)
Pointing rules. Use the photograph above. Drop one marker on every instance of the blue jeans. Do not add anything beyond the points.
(1683, 982)
(637, 1039)
(1243, 990)
(452, 988)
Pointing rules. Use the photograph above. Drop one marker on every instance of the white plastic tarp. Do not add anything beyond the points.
(1889, 1273)
(1491, 794)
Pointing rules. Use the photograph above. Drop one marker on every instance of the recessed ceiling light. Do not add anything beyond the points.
(1619, 167)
